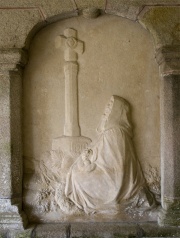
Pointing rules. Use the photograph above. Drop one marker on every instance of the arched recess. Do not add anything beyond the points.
(13, 61)
(109, 71)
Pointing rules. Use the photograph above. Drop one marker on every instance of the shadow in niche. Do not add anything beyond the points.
(15, 132)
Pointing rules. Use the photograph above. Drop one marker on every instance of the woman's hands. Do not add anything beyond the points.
(86, 162)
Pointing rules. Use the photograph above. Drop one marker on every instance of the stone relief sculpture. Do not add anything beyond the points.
(106, 177)
(55, 164)
(72, 141)
(107, 174)
(80, 177)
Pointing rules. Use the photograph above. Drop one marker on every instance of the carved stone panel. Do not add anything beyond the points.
(71, 170)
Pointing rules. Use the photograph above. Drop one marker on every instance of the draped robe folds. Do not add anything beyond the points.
(111, 176)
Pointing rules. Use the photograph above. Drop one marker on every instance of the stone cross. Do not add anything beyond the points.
(71, 44)
(72, 48)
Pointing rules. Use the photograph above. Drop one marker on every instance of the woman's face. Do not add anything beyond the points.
(105, 115)
(108, 109)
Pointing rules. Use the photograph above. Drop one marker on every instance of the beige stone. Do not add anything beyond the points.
(16, 25)
(107, 174)
(45, 8)
(163, 23)
(123, 9)
(25, 18)
(100, 76)
(95, 83)
(92, 3)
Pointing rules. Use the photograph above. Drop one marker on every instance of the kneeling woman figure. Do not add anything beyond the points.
(108, 174)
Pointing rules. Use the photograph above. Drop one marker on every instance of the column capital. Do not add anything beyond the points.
(168, 58)
(11, 213)
(12, 59)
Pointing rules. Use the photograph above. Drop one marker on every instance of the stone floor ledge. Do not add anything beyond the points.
(92, 230)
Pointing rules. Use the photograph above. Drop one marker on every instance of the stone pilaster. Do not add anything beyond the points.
(169, 62)
(11, 64)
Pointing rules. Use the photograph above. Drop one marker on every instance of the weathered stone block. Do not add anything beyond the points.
(81, 4)
(10, 137)
(28, 233)
(4, 97)
(154, 230)
(52, 231)
(163, 23)
(168, 58)
(103, 230)
(170, 131)
(5, 168)
(57, 7)
(123, 9)
(16, 25)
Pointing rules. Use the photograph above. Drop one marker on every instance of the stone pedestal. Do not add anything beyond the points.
(11, 63)
(168, 59)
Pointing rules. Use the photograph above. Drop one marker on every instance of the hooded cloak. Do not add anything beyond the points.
(107, 173)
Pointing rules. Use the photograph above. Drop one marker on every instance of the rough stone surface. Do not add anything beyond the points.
(101, 230)
(23, 16)
(12, 56)
(92, 230)
(11, 135)
(10, 127)
(52, 231)
(170, 127)
(56, 7)
(170, 216)
(131, 9)
(170, 130)
(10, 141)
(153, 230)
(45, 7)
(16, 139)
(4, 94)
(16, 25)
(123, 9)
(117, 3)
(92, 3)
(28, 233)
(163, 23)
(169, 60)
(91, 13)
(5, 145)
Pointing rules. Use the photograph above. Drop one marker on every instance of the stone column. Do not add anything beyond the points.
(11, 63)
(168, 59)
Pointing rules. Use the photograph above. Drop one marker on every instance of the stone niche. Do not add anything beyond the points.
(108, 56)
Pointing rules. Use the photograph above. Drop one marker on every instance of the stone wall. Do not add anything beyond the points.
(20, 21)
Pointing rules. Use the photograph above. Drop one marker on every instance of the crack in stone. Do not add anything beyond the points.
(68, 231)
